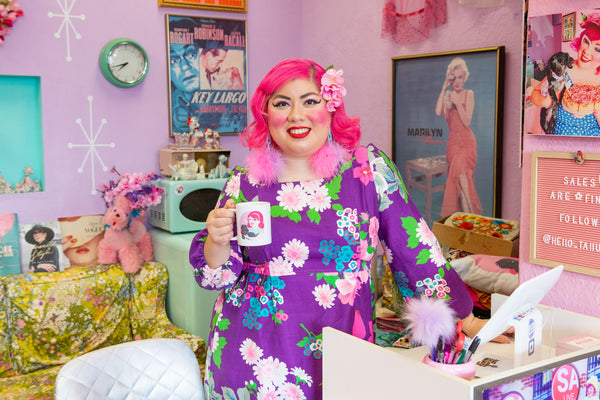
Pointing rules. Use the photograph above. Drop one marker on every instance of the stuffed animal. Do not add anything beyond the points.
(126, 239)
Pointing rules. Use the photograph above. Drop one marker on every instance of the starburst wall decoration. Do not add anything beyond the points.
(10, 10)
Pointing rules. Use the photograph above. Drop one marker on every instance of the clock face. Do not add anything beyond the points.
(123, 62)
(127, 62)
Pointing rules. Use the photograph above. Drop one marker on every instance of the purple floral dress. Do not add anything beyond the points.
(265, 339)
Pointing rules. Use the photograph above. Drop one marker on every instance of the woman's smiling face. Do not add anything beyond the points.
(298, 119)
(589, 52)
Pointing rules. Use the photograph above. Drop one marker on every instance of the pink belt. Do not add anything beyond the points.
(262, 269)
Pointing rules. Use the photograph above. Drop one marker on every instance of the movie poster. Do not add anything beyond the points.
(207, 73)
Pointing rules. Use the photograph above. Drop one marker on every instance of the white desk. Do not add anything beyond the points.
(188, 306)
(356, 369)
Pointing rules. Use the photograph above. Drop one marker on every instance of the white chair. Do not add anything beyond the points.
(152, 369)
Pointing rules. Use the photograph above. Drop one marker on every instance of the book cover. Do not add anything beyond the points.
(81, 236)
(10, 256)
(41, 247)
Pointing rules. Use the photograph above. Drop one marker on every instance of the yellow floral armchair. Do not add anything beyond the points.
(47, 319)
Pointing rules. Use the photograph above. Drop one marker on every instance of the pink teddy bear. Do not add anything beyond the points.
(126, 239)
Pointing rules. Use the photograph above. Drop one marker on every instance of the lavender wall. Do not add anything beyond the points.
(62, 46)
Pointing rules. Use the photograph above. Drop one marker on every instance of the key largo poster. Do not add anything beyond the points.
(207, 69)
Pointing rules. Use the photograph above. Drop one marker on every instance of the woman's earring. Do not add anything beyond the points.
(269, 143)
(329, 137)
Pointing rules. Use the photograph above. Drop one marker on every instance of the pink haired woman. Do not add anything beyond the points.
(331, 201)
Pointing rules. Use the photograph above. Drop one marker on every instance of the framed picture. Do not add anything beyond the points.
(207, 72)
(215, 5)
(558, 99)
(568, 27)
(565, 216)
(447, 130)
(41, 247)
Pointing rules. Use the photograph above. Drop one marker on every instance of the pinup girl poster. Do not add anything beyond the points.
(562, 75)
(447, 119)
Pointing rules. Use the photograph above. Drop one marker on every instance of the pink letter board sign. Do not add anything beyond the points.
(565, 211)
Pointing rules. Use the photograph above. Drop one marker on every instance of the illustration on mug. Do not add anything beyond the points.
(252, 225)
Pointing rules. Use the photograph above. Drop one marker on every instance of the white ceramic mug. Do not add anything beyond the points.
(253, 221)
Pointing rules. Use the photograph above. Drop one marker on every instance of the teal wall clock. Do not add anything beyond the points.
(123, 62)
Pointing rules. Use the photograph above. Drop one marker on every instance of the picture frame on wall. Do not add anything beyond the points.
(450, 165)
(558, 99)
(207, 74)
(213, 5)
(564, 212)
(568, 27)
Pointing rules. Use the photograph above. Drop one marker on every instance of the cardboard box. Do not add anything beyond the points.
(473, 242)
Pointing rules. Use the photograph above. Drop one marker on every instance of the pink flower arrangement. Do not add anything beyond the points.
(332, 88)
(137, 187)
(10, 10)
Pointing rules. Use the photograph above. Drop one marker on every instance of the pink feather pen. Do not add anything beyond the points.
(429, 320)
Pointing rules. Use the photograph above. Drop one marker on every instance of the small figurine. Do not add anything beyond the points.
(220, 171)
(201, 173)
(184, 169)
(183, 140)
(5, 186)
(28, 184)
(212, 139)
(193, 124)
(195, 133)
(195, 141)
(217, 140)
(209, 137)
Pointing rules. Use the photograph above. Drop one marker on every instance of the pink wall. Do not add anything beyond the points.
(354, 45)
(330, 32)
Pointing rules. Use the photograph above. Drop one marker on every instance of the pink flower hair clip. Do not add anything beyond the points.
(332, 88)
(593, 18)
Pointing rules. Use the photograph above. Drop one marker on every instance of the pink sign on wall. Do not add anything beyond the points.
(565, 211)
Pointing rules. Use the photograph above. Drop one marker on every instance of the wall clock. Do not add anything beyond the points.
(123, 62)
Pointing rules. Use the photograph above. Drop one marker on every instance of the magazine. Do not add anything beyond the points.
(10, 256)
(81, 236)
(41, 247)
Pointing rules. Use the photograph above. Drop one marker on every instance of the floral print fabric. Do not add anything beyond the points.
(266, 340)
(48, 319)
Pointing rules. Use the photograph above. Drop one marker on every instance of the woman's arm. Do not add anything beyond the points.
(472, 325)
(219, 225)
(439, 106)
(538, 98)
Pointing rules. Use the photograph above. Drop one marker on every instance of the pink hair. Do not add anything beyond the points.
(257, 215)
(345, 130)
(592, 31)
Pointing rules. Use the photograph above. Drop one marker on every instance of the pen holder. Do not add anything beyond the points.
(464, 370)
